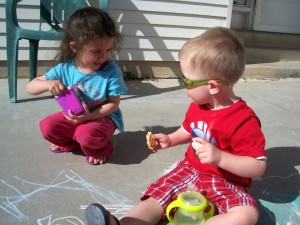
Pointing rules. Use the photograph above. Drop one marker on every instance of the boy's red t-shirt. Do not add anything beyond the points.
(235, 129)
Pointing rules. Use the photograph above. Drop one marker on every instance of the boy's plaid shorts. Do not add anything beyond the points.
(222, 193)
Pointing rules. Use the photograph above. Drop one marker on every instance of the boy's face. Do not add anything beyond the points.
(200, 94)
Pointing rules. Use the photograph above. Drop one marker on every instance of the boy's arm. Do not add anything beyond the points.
(180, 136)
(243, 166)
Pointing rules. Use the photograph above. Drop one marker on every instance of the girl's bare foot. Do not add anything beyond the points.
(55, 148)
(97, 160)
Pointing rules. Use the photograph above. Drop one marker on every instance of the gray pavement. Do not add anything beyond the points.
(41, 187)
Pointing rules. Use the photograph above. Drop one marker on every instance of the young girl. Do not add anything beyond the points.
(85, 64)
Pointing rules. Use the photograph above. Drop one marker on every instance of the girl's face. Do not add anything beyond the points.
(93, 55)
(200, 94)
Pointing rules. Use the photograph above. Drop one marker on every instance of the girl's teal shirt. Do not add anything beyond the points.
(94, 88)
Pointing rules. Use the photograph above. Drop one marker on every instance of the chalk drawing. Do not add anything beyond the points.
(70, 181)
(286, 212)
(170, 166)
(63, 220)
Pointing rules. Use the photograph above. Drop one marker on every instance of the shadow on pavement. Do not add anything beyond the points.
(133, 144)
(281, 182)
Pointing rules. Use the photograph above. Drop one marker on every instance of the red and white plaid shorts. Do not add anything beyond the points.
(222, 193)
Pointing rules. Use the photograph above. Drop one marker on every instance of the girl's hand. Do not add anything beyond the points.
(86, 115)
(207, 152)
(57, 88)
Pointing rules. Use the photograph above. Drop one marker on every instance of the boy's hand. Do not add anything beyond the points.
(207, 152)
(163, 141)
(151, 142)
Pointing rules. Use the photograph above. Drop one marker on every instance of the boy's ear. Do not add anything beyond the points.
(72, 45)
(214, 87)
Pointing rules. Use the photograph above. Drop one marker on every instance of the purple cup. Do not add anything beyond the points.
(69, 101)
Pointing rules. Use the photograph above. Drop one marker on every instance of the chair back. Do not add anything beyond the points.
(55, 12)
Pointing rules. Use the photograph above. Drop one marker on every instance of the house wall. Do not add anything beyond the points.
(153, 30)
(267, 19)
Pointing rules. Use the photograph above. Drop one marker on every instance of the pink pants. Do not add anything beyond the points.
(93, 137)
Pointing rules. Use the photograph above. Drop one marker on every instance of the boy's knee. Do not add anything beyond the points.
(245, 215)
(147, 212)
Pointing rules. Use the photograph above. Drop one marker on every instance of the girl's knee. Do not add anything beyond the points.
(89, 139)
(50, 123)
(46, 127)
(95, 146)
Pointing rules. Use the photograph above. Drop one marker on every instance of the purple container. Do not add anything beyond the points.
(69, 101)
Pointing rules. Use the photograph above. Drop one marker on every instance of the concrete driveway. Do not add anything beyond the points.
(41, 187)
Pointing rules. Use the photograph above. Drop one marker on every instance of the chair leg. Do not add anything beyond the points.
(33, 54)
(104, 5)
(12, 68)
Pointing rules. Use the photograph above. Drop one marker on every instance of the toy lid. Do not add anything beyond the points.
(191, 201)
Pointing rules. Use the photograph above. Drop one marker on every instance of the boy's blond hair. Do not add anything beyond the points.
(218, 53)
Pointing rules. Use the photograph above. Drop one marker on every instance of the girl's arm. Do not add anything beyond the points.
(109, 107)
(40, 85)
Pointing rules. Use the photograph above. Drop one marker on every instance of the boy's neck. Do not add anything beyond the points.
(221, 103)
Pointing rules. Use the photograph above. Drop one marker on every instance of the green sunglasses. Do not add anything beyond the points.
(188, 83)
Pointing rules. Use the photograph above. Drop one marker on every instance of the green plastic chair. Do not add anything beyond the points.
(52, 12)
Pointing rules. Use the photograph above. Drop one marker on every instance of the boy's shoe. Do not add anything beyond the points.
(96, 214)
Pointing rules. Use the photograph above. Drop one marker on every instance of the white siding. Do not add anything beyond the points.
(153, 30)
(28, 17)
(2, 31)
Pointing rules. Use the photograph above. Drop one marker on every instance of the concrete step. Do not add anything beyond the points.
(271, 55)
(273, 70)
(258, 39)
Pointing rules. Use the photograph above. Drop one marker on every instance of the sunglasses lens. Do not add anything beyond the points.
(183, 81)
(187, 83)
